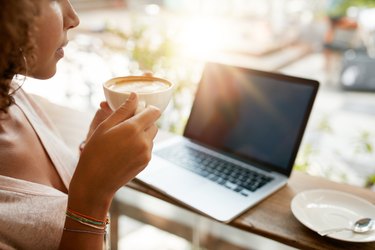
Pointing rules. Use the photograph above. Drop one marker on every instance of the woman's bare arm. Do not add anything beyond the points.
(116, 152)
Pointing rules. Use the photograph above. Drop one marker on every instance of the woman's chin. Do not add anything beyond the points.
(43, 75)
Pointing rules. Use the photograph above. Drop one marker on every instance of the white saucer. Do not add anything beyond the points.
(322, 209)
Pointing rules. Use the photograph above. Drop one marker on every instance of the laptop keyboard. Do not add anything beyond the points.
(227, 174)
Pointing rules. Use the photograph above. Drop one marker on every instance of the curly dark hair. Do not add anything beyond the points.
(16, 26)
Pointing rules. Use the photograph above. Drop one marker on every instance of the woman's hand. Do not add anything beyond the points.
(101, 114)
(119, 148)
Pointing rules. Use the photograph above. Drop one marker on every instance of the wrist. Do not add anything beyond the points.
(95, 205)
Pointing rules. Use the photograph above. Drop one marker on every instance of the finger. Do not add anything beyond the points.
(147, 117)
(105, 109)
(104, 105)
(124, 112)
(151, 132)
(148, 73)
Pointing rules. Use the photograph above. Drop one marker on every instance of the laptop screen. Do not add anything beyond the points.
(259, 117)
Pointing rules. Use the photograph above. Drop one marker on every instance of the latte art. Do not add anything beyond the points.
(151, 91)
(139, 86)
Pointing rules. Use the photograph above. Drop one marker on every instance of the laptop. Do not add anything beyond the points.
(239, 144)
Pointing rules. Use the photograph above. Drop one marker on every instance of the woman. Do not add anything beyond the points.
(48, 200)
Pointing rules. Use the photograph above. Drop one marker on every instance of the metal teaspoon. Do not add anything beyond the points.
(363, 225)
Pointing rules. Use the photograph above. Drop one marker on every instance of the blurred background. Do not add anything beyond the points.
(332, 41)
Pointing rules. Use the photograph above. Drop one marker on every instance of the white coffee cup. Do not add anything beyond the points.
(151, 91)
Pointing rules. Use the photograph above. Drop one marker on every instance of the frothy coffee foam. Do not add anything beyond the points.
(139, 87)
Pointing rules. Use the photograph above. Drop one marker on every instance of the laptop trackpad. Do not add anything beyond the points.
(165, 176)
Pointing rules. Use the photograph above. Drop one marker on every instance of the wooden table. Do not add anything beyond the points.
(273, 218)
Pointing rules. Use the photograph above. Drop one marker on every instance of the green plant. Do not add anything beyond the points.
(338, 8)
(370, 182)
(328, 153)
(363, 144)
(303, 161)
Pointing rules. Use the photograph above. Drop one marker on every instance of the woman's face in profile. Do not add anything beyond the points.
(56, 18)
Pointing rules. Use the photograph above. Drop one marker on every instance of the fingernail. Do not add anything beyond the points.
(131, 96)
(102, 105)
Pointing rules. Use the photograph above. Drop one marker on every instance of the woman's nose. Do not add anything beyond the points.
(71, 17)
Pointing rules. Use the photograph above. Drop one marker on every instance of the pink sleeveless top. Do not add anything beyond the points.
(32, 215)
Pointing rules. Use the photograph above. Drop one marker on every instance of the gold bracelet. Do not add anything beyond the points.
(84, 231)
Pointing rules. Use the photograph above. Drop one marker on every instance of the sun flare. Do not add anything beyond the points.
(202, 37)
